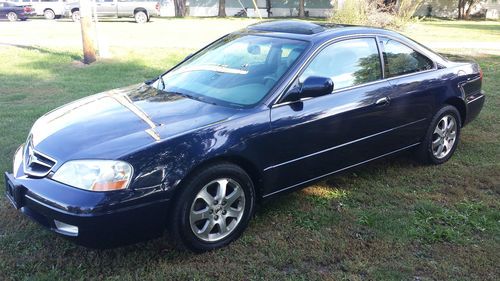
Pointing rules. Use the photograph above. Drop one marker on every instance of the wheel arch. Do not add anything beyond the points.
(141, 9)
(459, 104)
(248, 166)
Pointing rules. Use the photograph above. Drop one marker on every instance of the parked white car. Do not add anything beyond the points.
(140, 10)
(50, 9)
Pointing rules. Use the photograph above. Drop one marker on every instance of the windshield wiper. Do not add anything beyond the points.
(151, 81)
(161, 81)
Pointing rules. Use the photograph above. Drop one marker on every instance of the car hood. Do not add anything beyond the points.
(113, 123)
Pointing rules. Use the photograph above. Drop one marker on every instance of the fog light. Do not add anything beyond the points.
(66, 229)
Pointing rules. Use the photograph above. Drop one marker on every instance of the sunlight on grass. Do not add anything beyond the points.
(325, 193)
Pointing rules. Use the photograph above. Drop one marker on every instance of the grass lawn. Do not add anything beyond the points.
(389, 220)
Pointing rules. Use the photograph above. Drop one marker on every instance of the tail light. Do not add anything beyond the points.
(27, 9)
(157, 6)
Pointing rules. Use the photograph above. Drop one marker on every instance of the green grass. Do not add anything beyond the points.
(455, 31)
(390, 220)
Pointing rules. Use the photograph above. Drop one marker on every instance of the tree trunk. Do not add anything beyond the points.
(88, 40)
(460, 5)
(469, 9)
(222, 8)
(268, 8)
(180, 8)
(301, 9)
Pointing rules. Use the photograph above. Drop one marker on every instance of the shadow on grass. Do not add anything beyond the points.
(42, 50)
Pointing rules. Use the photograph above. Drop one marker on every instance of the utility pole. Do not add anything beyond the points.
(88, 39)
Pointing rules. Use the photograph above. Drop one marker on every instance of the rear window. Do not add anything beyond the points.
(400, 59)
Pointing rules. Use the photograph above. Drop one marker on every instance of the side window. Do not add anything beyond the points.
(400, 59)
(347, 63)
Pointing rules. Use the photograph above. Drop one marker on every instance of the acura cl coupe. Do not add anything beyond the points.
(257, 113)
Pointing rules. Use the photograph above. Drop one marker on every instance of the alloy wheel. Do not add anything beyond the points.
(49, 14)
(12, 16)
(217, 209)
(75, 16)
(444, 136)
(141, 17)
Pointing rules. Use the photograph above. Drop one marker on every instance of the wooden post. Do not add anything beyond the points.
(257, 9)
(89, 53)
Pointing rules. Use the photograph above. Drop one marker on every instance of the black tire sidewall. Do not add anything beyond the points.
(180, 226)
(428, 154)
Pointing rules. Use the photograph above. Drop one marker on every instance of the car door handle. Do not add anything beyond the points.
(382, 101)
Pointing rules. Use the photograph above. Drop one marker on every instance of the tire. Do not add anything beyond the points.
(442, 137)
(141, 17)
(12, 16)
(49, 14)
(197, 220)
(75, 16)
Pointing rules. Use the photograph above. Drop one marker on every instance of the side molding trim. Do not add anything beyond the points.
(339, 170)
(341, 145)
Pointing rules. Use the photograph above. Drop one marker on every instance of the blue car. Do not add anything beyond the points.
(258, 113)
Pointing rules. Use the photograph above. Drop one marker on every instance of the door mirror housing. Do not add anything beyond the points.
(313, 86)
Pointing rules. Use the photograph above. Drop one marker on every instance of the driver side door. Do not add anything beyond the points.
(319, 136)
(106, 8)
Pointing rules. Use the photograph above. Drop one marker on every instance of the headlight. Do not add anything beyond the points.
(95, 175)
(18, 160)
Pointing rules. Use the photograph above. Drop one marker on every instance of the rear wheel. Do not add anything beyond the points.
(75, 16)
(49, 14)
(141, 17)
(213, 209)
(12, 16)
(442, 136)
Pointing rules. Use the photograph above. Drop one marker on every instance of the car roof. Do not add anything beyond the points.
(311, 31)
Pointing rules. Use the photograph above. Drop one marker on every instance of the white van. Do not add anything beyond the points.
(50, 9)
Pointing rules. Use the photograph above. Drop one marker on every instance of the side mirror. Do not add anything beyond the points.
(313, 86)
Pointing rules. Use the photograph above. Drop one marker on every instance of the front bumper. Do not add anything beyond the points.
(103, 220)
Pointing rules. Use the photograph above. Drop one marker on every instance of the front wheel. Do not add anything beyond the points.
(12, 16)
(442, 136)
(213, 209)
(141, 17)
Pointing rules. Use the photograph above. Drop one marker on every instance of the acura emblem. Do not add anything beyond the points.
(31, 157)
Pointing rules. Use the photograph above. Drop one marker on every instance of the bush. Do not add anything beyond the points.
(375, 13)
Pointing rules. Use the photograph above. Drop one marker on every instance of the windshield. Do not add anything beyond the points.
(236, 70)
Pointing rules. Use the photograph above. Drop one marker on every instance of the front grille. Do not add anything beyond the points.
(36, 164)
